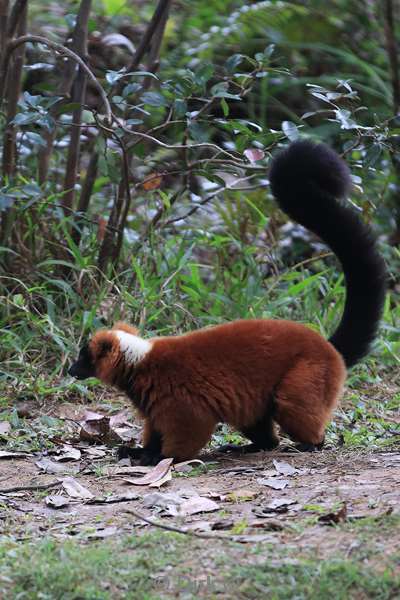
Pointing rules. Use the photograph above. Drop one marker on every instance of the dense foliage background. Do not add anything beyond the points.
(136, 142)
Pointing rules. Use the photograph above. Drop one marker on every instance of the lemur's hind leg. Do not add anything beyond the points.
(262, 434)
(305, 400)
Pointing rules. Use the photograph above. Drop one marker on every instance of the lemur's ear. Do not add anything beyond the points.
(102, 343)
(104, 347)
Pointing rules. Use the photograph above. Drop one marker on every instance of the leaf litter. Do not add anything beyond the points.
(275, 484)
(75, 489)
(50, 466)
(271, 493)
(159, 474)
(5, 428)
(99, 428)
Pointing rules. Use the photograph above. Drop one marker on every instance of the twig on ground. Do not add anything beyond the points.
(29, 488)
(190, 532)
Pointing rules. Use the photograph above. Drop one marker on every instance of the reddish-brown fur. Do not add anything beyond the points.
(246, 373)
(254, 374)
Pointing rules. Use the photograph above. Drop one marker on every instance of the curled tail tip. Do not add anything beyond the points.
(305, 167)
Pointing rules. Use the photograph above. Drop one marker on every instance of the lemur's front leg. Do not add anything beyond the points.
(150, 453)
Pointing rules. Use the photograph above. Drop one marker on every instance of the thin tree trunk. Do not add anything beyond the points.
(4, 7)
(71, 172)
(16, 11)
(13, 94)
(78, 97)
(69, 80)
(9, 166)
(86, 193)
(393, 58)
(150, 44)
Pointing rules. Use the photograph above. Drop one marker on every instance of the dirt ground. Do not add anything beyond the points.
(239, 495)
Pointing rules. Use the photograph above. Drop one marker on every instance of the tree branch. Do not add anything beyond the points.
(160, 13)
(190, 532)
(4, 6)
(64, 51)
(17, 9)
(9, 144)
(111, 247)
(392, 51)
(86, 193)
(78, 97)
(78, 44)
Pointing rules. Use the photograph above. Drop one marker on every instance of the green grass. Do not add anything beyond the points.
(99, 571)
(367, 571)
(316, 580)
(163, 565)
(167, 289)
(216, 266)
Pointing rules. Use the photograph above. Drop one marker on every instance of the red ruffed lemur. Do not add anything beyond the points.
(254, 374)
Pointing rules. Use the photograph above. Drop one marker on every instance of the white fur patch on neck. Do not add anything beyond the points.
(132, 346)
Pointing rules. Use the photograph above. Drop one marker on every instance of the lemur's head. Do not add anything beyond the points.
(108, 352)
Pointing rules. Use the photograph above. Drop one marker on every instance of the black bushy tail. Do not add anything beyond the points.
(306, 180)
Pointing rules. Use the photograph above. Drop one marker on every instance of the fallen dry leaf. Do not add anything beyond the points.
(223, 524)
(278, 503)
(187, 465)
(55, 501)
(167, 477)
(268, 511)
(49, 466)
(199, 526)
(338, 516)
(269, 473)
(102, 533)
(6, 454)
(121, 418)
(274, 483)
(96, 427)
(5, 427)
(269, 524)
(192, 506)
(161, 500)
(284, 468)
(241, 495)
(75, 489)
(67, 452)
(124, 434)
(119, 469)
(94, 451)
(256, 538)
(155, 474)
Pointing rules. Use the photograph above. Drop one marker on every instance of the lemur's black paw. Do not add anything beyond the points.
(306, 447)
(148, 458)
(128, 452)
(239, 449)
